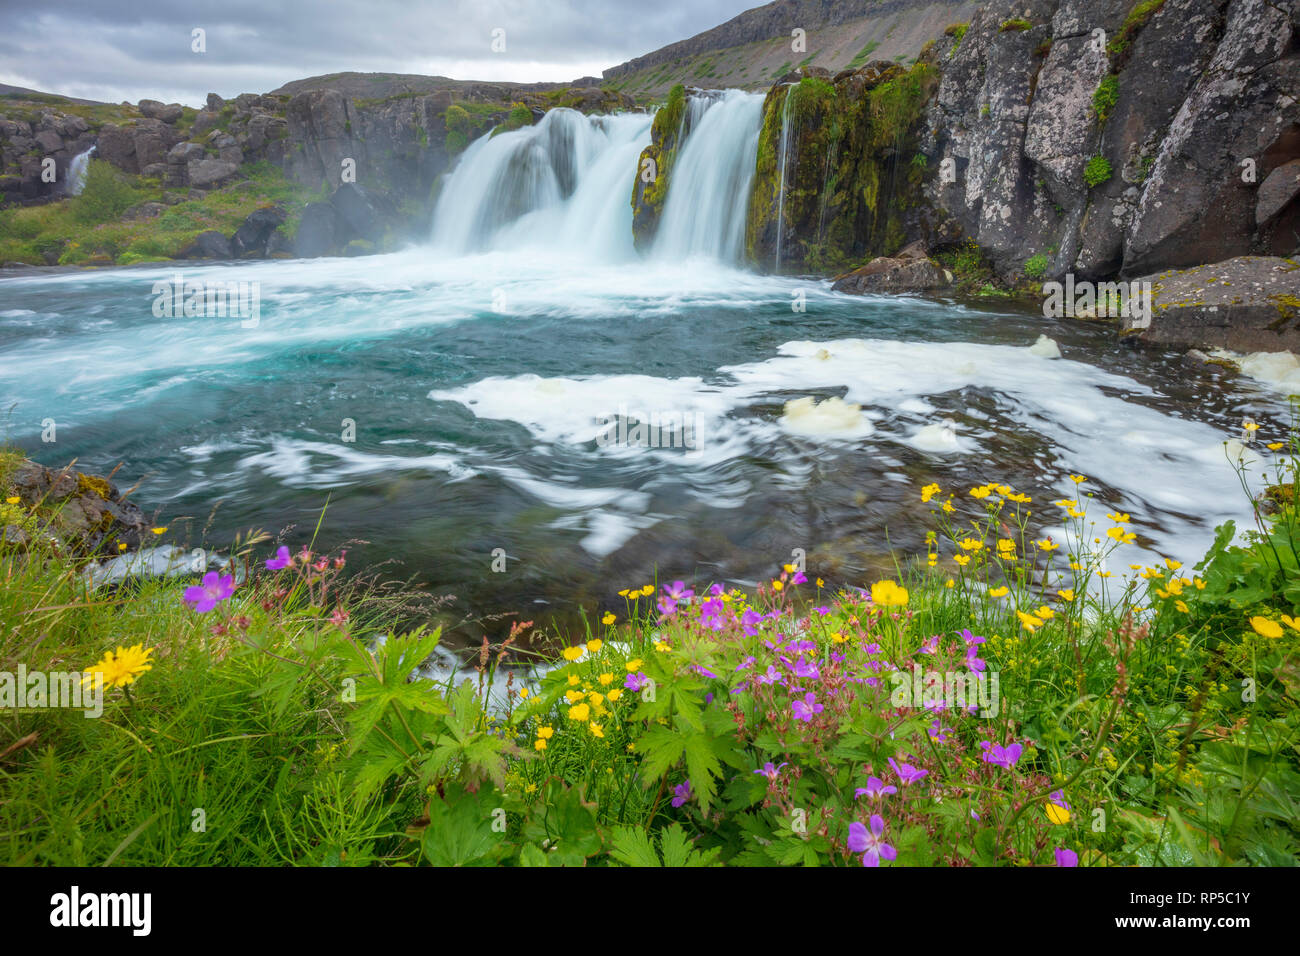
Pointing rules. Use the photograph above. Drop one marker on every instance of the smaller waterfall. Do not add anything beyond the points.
(785, 149)
(77, 172)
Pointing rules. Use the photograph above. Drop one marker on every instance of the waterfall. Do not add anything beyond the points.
(77, 172)
(708, 190)
(780, 202)
(561, 183)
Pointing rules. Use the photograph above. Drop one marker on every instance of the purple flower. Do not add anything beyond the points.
(930, 645)
(773, 676)
(667, 606)
(716, 590)
(800, 647)
(823, 611)
(704, 671)
(210, 592)
(973, 660)
(1066, 857)
(799, 578)
(938, 731)
(634, 682)
(681, 793)
(970, 638)
(1002, 756)
(870, 843)
(875, 789)
(750, 619)
(282, 559)
(906, 772)
(806, 669)
(1058, 797)
(770, 771)
(746, 663)
(804, 709)
(678, 591)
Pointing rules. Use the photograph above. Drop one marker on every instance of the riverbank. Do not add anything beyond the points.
(1079, 714)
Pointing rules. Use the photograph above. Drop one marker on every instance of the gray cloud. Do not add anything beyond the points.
(142, 48)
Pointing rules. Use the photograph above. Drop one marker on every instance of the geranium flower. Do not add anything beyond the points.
(770, 771)
(678, 591)
(906, 772)
(682, 793)
(1002, 756)
(1066, 857)
(635, 682)
(283, 558)
(667, 606)
(210, 592)
(876, 789)
(870, 843)
(772, 676)
(806, 708)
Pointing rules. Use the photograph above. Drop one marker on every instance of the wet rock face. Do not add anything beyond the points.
(1112, 136)
(835, 180)
(82, 512)
(1246, 304)
(910, 270)
(654, 166)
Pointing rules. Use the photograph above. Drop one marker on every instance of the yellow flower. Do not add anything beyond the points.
(1118, 518)
(1266, 628)
(1078, 479)
(1067, 594)
(1006, 548)
(947, 507)
(606, 679)
(523, 692)
(595, 729)
(1274, 445)
(596, 699)
(120, 667)
(614, 695)
(633, 665)
(1045, 612)
(579, 712)
(662, 647)
(980, 493)
(1019, 498)
(970, 544)
(573, 696)
(888, 594)
(1047, 544)
(1028, 621)
(159, 530)
(595, 644)
(121, 546)
(999, 592)
(648, 590)
(539, 744)
(928, 492)
(1291, 623)
(1057, 814)
(777, 586)
(572, 653)
(950, 583)
(13, 501)
(1173, 565)
(608, 619)
(821, 583)
(962, 559)
(1182, 606)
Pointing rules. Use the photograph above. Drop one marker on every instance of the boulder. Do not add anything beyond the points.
(205, 173)
(318, 231)
(208, 245)
(1276, 191)
(1246, 304)
(250, 239)
(49, 141)
(215, 103)
(907, 271)
(145, 210)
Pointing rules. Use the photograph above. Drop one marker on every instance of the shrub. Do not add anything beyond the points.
(1036, 266)
(1097, 171)
(1105, 97)
(106, 196)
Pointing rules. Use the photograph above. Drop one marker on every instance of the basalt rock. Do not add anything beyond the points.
(83, 512)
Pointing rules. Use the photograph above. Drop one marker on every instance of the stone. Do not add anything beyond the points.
(210, 172)
(894, 276)
(208, 245)
(251, 238)
(1276, 191)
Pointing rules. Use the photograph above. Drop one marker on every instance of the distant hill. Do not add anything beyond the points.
(373, 86)
(753, 49)
(35, 96)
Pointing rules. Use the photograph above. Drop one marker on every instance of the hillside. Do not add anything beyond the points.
(753, 49)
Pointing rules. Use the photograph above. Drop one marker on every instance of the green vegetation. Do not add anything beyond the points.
(274, 727)
(518, 117)
(1133, 24)
(864, 54)
(1036, 266)
(88, 229)
(1015, 25)
(1097, 171)
(1105, 97)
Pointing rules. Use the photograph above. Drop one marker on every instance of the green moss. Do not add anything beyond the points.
(1133, 24)
(1097, 171)
(1105, 97)
(1015, 25)
(1035, 266)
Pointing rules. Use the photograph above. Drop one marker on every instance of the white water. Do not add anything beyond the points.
(564, 183)
(77, 172)
(785, 149)
(708, 195)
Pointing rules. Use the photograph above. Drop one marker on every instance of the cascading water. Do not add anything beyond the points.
(77, 172)
(563, 181)
(785, 149)
(709, 190)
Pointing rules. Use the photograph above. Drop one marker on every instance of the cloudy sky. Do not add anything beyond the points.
(115, 50)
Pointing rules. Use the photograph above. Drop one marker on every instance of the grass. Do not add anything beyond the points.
(88, 230)
(276, 728)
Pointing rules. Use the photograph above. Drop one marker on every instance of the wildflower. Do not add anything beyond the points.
(574, 680)
(1291, 622)
(648, 590)
(807, 670)
(961, 559)
(999, 592)
(667, 606)
(870, 843)
(1266, 628)
(772, 676)
(572, 653)
(1001, 756)
(281, 560)
(947, 507)
(523, 692)
(930, 645)
(681, 793)
(928, 492)
(338, 618)
(595, 645)
(614, 695)
(633, 665)
(120, 667)
(1078, 479)
(906, 772)
(539, 744)
(596, 730)
(1117, 517)
(876, 789)
(678, 591)
(605, 679)
(1058, 811)
(13, 500)
(579, 712)
(210, 592)
(1120, 535)
(971, 544)
(161, 530)
(1066, 857)
(1029, 622)
(573, 696)
(770, 771)
(1047, 544)
(608, 619)
(1006, 548)
(121, 546)
(624, 593)
(635, 682)
(1067, 594)
(1275, 445)
(938, 732)
(806, 708)
(980, 493)
(888, 594)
